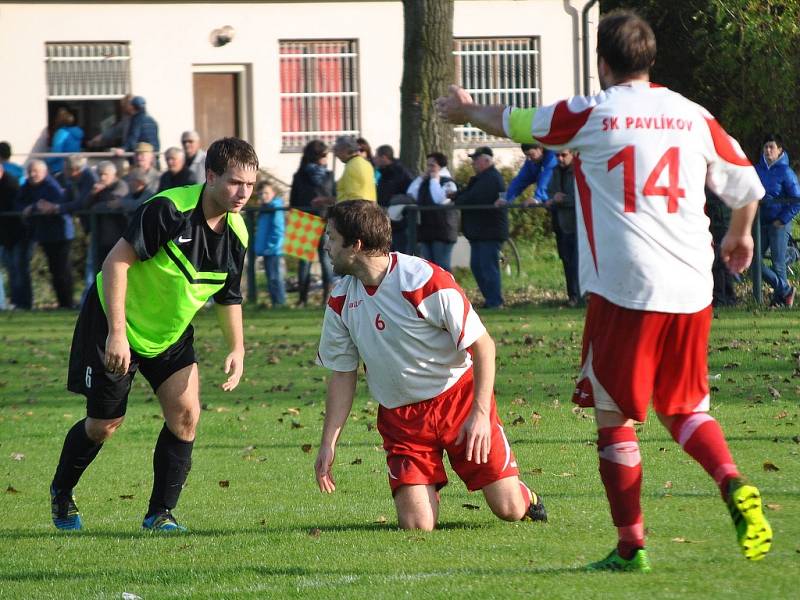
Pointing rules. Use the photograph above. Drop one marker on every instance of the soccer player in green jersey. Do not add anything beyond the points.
(183, 246)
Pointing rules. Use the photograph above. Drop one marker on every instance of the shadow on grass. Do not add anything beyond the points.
(186, 574)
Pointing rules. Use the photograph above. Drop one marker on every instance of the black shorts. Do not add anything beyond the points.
(107, 393)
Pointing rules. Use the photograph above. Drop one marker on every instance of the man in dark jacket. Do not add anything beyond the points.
(39, 199)
(11, 232)
(561, 202)
(177, 174)
(394, 181)
(142, 128)
(487, 229)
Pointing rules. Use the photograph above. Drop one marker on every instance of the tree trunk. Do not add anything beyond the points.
(428, 68)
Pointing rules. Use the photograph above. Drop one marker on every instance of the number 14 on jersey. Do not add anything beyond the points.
(670, 160)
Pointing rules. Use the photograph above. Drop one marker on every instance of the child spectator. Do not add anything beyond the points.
(269, 241)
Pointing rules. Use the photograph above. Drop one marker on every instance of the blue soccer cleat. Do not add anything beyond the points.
(162, 521)
(64, 510)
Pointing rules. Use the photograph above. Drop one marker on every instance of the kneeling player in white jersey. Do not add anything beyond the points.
(429, 363)
(645, 154)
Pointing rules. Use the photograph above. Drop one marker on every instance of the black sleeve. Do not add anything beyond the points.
(153, 225)
(231, 292)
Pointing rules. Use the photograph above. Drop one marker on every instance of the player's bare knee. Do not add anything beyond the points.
(99, 430)
(509, 509)
(417, 522)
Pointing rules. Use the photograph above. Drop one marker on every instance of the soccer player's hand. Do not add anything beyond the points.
(452, 107)
(323, 468)
(477, 432)
(234, 366)
(118, 354)
(736, 252)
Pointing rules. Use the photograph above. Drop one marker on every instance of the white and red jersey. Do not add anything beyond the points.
(412, 331)
(645, 155)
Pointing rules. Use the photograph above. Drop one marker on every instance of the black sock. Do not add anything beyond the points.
(172, 461)
(78, 453)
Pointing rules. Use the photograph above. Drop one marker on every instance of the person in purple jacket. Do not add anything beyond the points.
(778, 208)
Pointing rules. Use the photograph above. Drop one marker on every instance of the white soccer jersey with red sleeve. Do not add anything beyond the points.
(412, 331)
(645, 154)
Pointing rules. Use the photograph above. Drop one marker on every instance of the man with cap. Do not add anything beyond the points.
(143, 127)
(487, 229)
(144, 163)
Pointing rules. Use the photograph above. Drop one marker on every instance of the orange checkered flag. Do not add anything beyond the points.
(303, 231)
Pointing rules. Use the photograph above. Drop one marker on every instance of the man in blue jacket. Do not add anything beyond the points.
(780, 182)
(537, 168)
(54, 232)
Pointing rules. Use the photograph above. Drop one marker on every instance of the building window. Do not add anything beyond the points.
(89, 78)
(319, 91)
(496, 71)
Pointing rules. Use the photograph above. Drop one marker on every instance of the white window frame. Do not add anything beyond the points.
(308, 101)
(485, 61)
(94, 70)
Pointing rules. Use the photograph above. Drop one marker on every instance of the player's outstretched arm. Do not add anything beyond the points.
(736, 249)
(341, 389)
(229, 317)
(115, 286)
(458, 107)
(477, 430)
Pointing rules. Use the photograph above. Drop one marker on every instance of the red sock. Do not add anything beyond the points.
(701, 437)
(527, 495)
(621, 472)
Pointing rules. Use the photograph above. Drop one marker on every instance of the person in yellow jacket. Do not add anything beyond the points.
(358, 180)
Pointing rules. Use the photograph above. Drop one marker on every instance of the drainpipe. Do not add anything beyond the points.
(587, 52)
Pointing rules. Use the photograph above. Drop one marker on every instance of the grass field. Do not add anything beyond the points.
(260, 528)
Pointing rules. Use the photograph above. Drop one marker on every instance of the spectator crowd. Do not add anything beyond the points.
(47, 194)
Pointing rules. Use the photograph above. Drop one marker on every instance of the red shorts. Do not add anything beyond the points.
(415, 438)
(630, 356)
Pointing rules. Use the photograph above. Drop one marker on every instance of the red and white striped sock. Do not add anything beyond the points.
(621, 472)
(701, 437)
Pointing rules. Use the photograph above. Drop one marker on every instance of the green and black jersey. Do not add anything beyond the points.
(182, 263)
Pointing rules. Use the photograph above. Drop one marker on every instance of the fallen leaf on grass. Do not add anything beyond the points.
(297, 425)
(565, 474)
(773, 392)
(668, 485)
(224, 483)
(356, 462)
(17, 456)
(773, 506)
(126, 497)
(679, 540)
(11, 490)
(381, 520)
(315, 532)
(782, 415)
(415, 538)
(518, 401)
(518, 421)
(768, 466)
(471, 506)
(292, 411)
(306, 448)
(536, 417)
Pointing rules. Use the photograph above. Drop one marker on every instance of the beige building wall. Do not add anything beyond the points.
(168, 41)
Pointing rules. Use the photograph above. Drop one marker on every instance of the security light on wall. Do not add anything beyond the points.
(223, 35)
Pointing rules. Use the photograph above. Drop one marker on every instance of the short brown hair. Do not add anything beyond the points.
(230, 152)
(626, 42)
(362, 220)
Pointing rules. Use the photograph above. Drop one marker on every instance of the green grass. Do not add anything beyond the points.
(269, 533)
